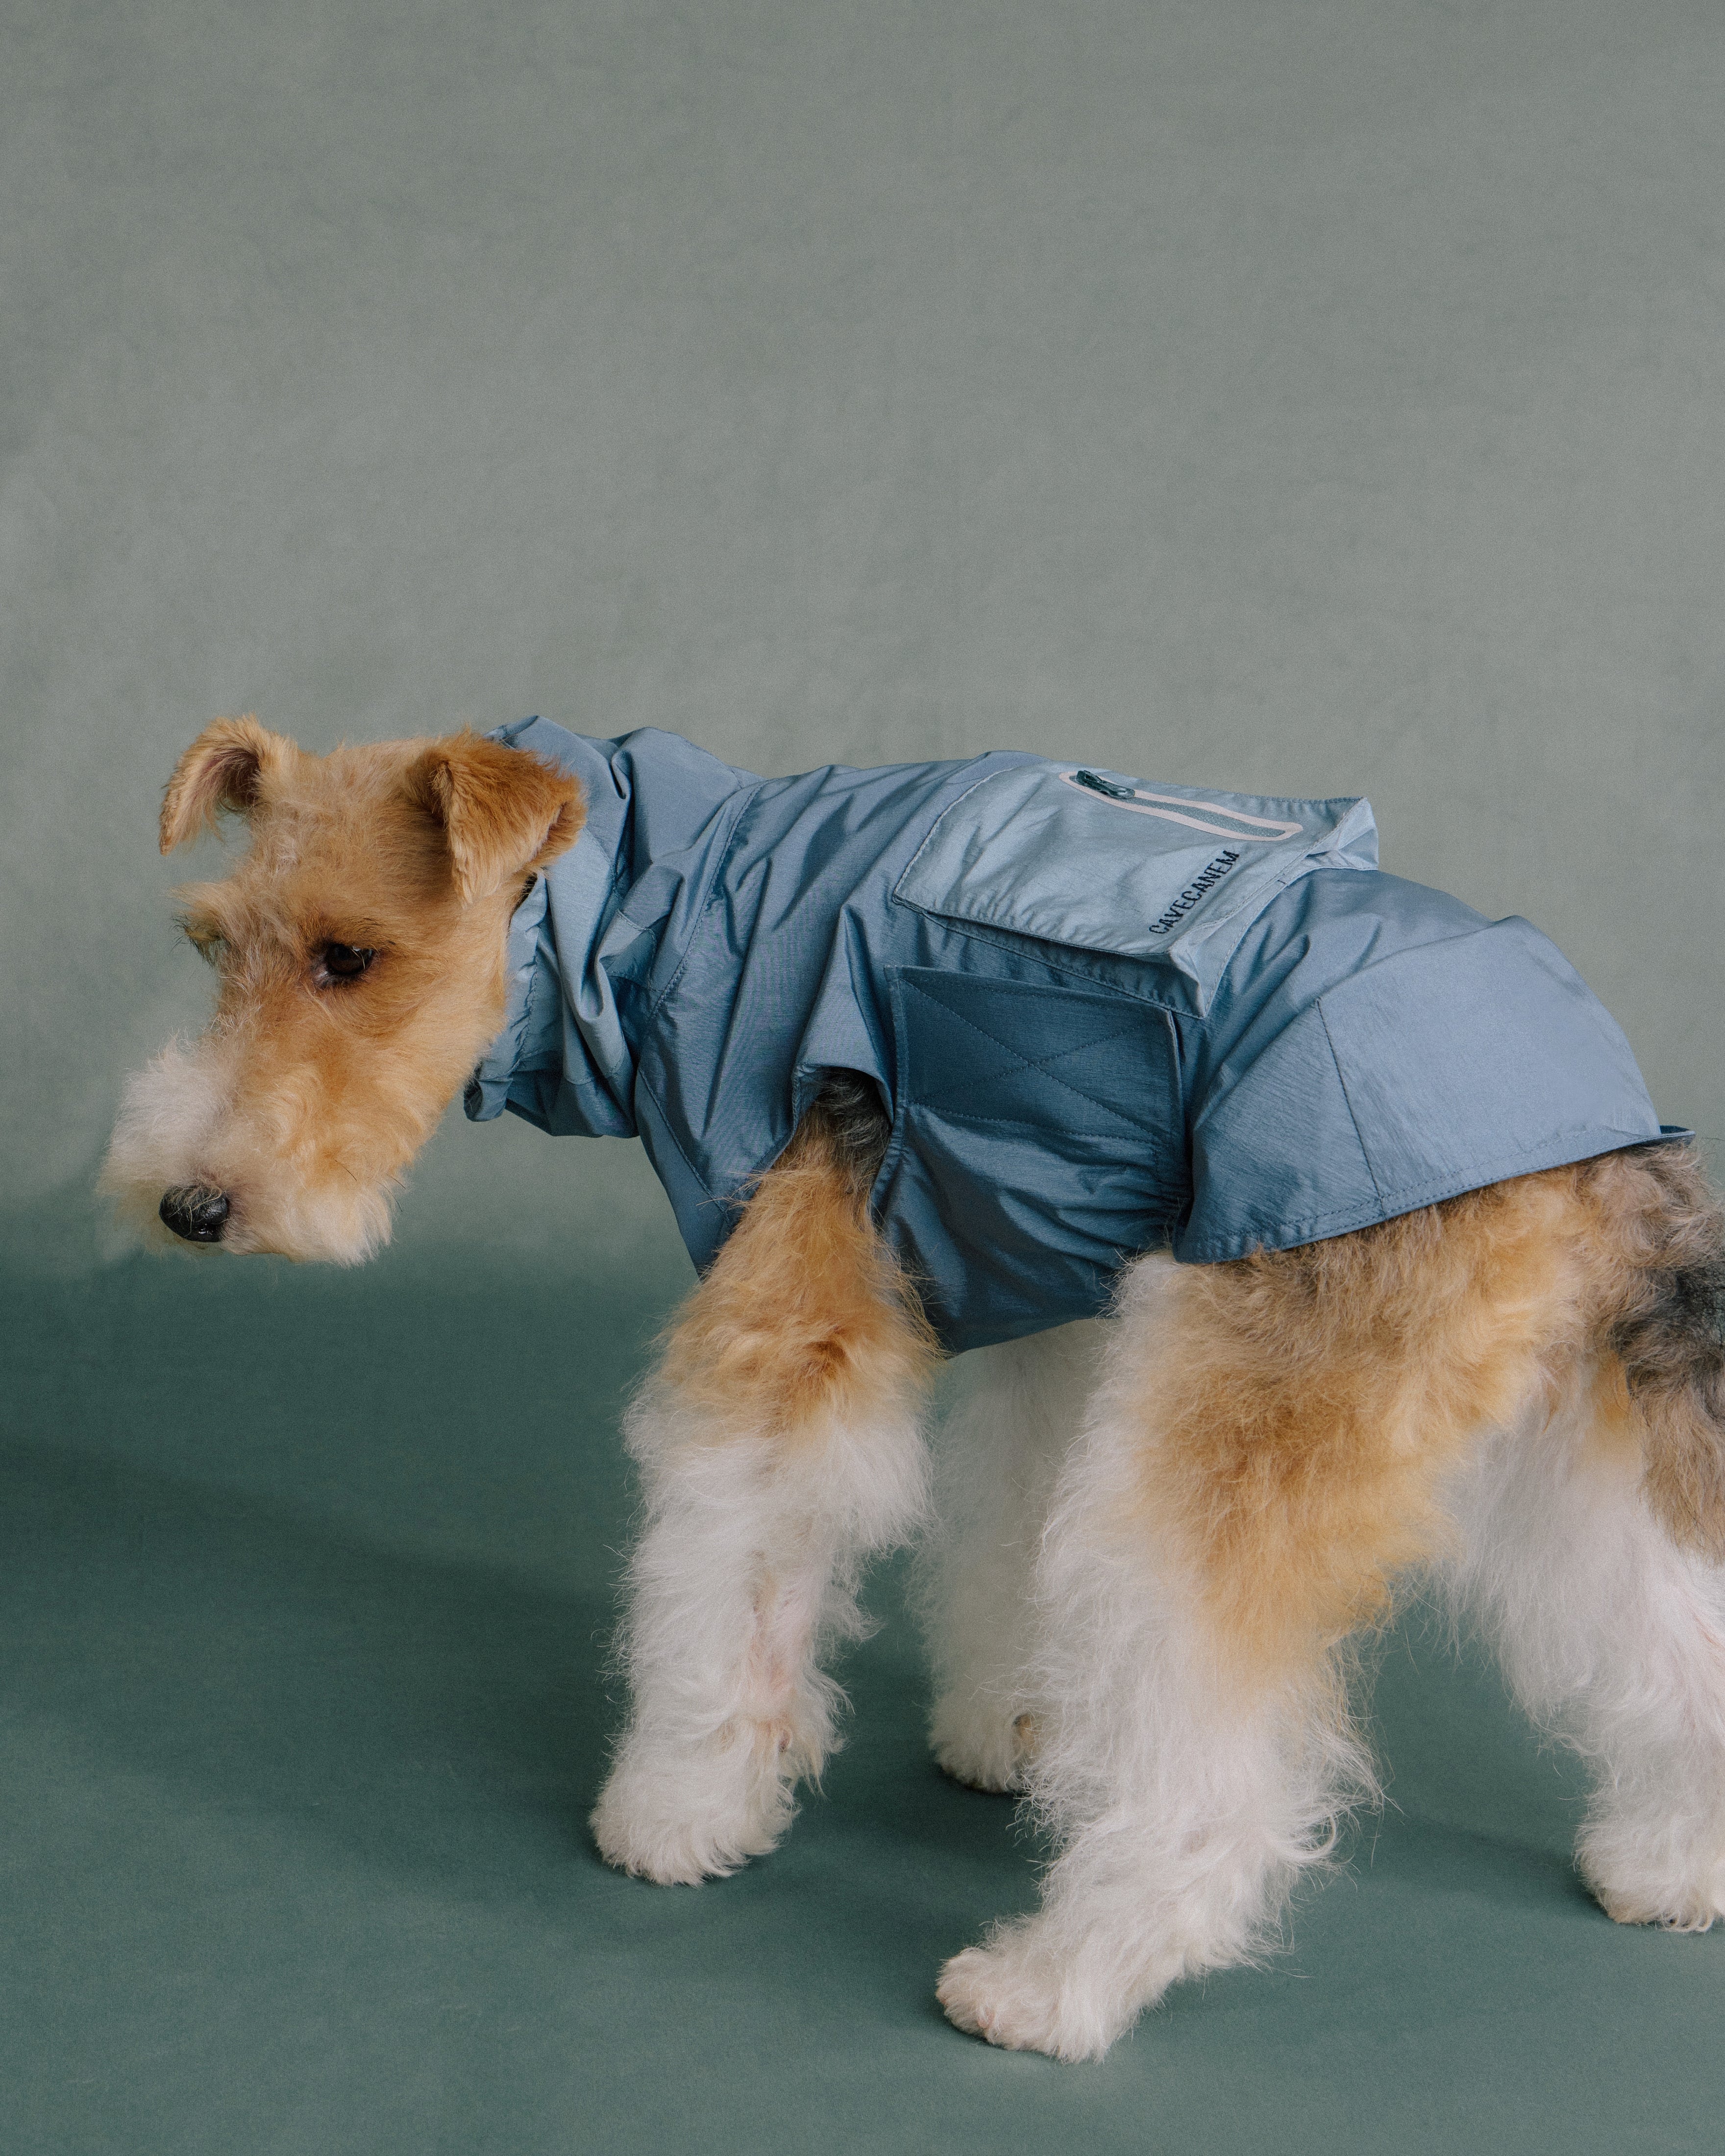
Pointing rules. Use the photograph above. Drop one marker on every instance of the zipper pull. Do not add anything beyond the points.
(1105, 786)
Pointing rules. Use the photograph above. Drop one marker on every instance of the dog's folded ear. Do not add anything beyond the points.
(503, 811)
(224, 768)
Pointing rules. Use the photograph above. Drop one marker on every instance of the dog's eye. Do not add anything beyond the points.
(342, 961)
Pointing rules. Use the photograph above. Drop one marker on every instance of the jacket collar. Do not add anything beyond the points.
(563, 1058)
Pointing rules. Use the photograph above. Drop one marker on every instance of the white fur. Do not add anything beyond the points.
(180, 1122)
(998, 1453)
(169, 1113)
(1182, 1816)
(1613, 1639)
(745, 1575)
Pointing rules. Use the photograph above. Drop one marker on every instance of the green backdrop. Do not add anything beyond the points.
(1316, 398)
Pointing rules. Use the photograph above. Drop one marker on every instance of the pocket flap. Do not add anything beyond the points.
(1097, 862)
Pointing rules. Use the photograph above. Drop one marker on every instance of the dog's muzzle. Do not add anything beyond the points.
(195, 1212)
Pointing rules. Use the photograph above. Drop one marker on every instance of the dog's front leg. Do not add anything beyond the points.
(779, 1443)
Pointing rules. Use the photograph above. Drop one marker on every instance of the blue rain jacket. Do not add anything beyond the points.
(1103, 1016)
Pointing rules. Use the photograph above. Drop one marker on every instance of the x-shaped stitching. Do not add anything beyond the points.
(1042, 1062)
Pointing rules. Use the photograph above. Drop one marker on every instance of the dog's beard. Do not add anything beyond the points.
(179, 1126)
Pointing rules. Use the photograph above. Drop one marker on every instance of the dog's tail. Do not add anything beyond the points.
(1665, 1322)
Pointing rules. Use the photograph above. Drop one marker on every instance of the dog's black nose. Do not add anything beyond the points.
(196, 1212)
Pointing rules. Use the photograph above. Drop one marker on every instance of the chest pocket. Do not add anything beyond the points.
(1040, 1142)
(1113, 868)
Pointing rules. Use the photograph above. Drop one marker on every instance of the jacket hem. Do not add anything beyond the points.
(1324, 1227)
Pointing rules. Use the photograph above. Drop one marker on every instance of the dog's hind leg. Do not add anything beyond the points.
(1614, 1639)
(1590, 1550)
(996, 1458)
(1266, 1452)
(779, 1444)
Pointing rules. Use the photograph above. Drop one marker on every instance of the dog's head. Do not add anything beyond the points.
(358, 948)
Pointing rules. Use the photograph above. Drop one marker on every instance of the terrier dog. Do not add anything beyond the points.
(1308, 1231)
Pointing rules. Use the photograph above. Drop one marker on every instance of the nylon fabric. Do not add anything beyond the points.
(1103, 1016)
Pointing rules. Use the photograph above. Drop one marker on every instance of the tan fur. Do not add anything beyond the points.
(1302, 1406)
(500, 811)
(1614, 1434)
(416, 850)
(1660, 1253)
(803, 1318)
(222, 770)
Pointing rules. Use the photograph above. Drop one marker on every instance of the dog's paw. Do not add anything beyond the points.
(670, 1852)
(1019, 1996)
(699, 1815)
(1636, 1881)
(1673, 1908)
(1696, 1916)
(983, 1749)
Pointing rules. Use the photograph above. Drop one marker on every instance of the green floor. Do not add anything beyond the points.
(305, 1583)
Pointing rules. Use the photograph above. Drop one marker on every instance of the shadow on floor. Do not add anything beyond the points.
(257, 1658)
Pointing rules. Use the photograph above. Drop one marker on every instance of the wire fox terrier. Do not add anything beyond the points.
(1310, 1232)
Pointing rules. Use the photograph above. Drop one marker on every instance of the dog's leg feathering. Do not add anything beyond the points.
(780, 1444)
(1265, 1452)
(996, 1462)
(1591, 1551)
(1614, 1639)
(1183, 1803)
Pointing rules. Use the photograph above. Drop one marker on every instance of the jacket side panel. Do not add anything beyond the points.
(1378, 1046)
